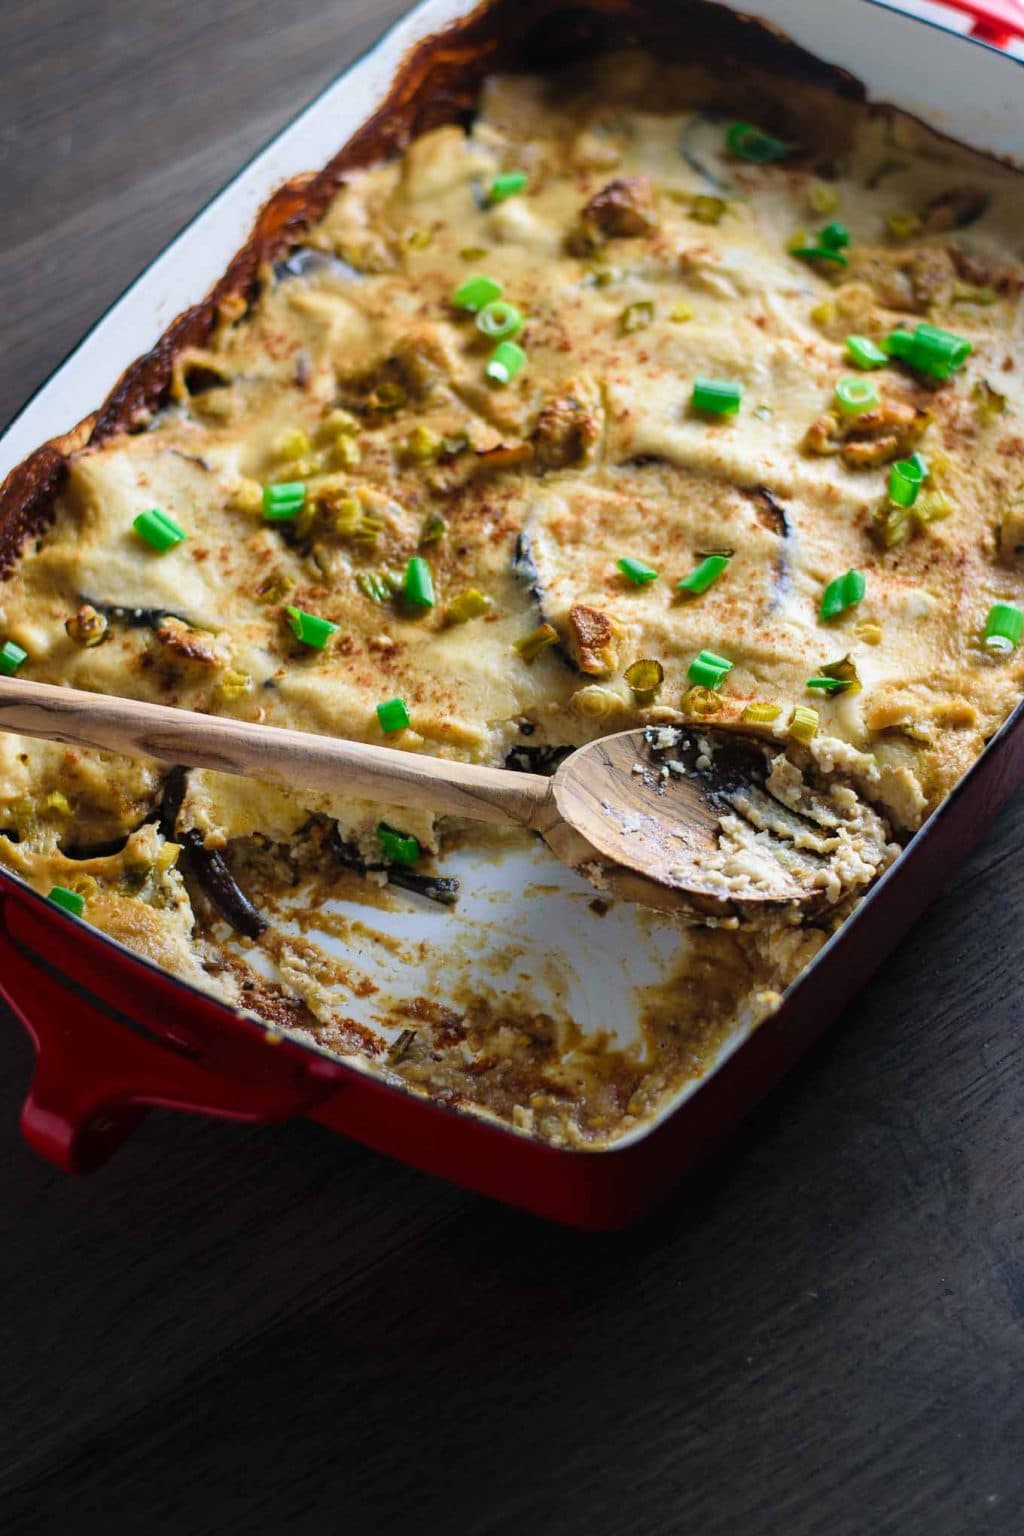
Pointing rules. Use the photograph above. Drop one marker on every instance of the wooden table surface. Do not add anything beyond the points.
(271, 1330)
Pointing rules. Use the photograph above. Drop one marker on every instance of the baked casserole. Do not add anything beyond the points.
(608, 409)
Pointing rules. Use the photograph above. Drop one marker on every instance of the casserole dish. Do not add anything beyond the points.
(174, 1060)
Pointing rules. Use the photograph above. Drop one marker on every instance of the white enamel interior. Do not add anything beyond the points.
(548, 945)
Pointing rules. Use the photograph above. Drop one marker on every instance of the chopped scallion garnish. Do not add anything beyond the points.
(471, 604)
(400, 847)
(929, 350)
(835, 236)
(854, 396)
(645, 677)
(820, 253)
(720, 397)
(707, 210)
(418, 588)
(498, 319)
(530, 646)
(761, 712)
(11, 657)
(283, 503)
(507, 185)
(68, 901)
(1004, 628)
(158, 530)
(708, 670)
(749, 143)
(905, 477)
(636, 316)
(700, 702)
(703, 575)
(842, 593)
(837, 677)
(507, 359)
(393, 715)
(310, 628)
(864, 352)
(476, 292)
(803, 724)
(636, 572)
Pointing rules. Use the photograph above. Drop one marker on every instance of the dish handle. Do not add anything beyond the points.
(97, 1075)
(992, 21)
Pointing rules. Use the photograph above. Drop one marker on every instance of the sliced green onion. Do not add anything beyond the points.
(821, 198)
(283, 503)
(940, 352)
(636, 572)
(864, 352)
(842, 593)
(929, 350)
(803, 724)
(158, 530)
(820, 253)
(854, 396)
(933, 507)
(507, 185)
(68, 901)
(707, 210)
(703, 575)
(530, 646)
(393, 715)
(434, 528)
(700, 703)
(378, 586)
(11, 657)
(418, 587)
(834, 236)
(310, 628)
(903, 224)
(891, 525)
(708, 670)
(921, 463)
(838, 677)
(645, 677)
(499, 319)
(905, 477)
(400, 847)
(749, 143)
(760, 712)
(636, 316)
(476, 292)
(988, 402)
(899, 343)
(507, 359)
(471, 604)
(1004, 628)
(718, 396)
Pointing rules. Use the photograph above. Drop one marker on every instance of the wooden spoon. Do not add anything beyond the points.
(613, 811)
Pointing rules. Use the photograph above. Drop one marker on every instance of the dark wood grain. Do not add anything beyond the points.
(268, 1331)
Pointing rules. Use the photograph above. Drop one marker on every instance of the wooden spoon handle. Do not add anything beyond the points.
(293, 759)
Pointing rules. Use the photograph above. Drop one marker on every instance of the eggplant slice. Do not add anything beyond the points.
(206, 866)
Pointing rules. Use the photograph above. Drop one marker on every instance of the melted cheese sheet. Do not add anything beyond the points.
(642, 255)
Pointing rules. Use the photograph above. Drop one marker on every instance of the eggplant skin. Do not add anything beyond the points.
(215, 879)
(206, 866)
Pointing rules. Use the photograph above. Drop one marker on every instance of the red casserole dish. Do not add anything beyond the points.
(113, 1034)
